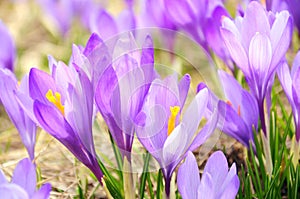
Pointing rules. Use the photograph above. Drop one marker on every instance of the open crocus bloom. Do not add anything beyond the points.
(290, 84)
(239, 114)
(257, 43)
(23, 183)
(26, 127)
(216, 182)
(160, 129)
(62, 104)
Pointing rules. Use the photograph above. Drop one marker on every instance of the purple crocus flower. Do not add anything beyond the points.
(107, 27)
(257, 43)
(62, 104)
(63, 12)
(216, 181)
(7, 49)
(23, 183)
(160, 130)
(26, 127)
(239, 114)
(121, 91)
(290, 84)
(154, 15)
(201, 19)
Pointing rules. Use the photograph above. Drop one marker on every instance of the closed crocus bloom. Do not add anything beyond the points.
(161, 130)
(290, 84)
(7, 49)
(239, 113)
(201, 19)
(108, 27)
(61, 12)
(216, 181)
(62, 104)
(122, 88)
(26, 127)
(257, 43)
(23, 183)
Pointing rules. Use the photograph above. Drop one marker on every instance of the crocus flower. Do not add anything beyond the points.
(23, 183)
(290, 84)
(201, 19)
(216, 181)
(154, 15)
(107, 27)
(239, 114)
(159, 127)
(62, 104)
(257, 43)
(63, 12)
(122, 88)
(26, 127)
(7, 49)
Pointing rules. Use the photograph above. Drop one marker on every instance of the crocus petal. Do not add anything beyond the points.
(206, 188)
(217, 167)
(234, 125)
(126, 21)
(25, 176)
(188, 178)
(184, 86)
(260, 56)
(236, 50)
(281, 34)
(174, 147)
(296, 89)
(7, 50)
(205, 132)
(255, 20)
(25, 126)
(296, 64)
(181, 12)
(12, 191)
(241, 100)
(92, 43)
(39, 83)
(230, 185)
(79, 110)
(43, 193)
(285, 79)
(194, 113)
(2, 177)
(104, 25)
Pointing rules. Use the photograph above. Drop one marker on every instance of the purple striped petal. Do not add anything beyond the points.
(25, 176)
(188, 178)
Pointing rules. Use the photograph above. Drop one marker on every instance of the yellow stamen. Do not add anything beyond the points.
(172, 119)
(56, 100)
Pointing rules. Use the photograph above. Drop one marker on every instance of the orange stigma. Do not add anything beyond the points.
(238, 110)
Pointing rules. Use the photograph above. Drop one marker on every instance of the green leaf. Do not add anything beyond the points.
(144, 175)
